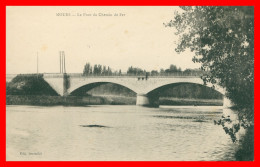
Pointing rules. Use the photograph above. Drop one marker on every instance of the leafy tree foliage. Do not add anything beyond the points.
(29, 85)
(87, 69)
(138, 71)
(223, 41)
(135, 71)
(97, 70)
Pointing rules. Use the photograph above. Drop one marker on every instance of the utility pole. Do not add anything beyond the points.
(64, 62)
(60, 62)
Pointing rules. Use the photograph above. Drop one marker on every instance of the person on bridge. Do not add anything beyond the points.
(146, 75)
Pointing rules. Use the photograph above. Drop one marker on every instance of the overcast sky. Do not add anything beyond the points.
(137, 38)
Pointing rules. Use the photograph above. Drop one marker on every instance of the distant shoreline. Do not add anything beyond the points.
(43, 100)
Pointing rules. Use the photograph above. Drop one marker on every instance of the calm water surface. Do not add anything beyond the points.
(117, 133)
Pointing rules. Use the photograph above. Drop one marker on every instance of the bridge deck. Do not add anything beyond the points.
(80, 75)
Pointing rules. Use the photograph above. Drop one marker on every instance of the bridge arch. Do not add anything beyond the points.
(215, 88)
(151, 96)
(91, 85)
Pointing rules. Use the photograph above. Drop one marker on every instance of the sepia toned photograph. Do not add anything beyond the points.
(129, 83)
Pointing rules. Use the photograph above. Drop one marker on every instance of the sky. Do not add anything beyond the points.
(136, 37)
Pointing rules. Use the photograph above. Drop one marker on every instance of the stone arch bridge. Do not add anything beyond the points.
(65, 84)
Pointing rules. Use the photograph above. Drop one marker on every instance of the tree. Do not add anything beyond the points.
(104, 71)
(99, 67)
(173, 68)
(109, 71)
(162, 71)
(87, 69)
(90, 71)
(154, 73)
(222, 38)
(135, 71)
(95, 70)
(223, 41)
(101, 70)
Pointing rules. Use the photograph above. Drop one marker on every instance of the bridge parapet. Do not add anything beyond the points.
(53, 75)
(173, 74)
(123, 75)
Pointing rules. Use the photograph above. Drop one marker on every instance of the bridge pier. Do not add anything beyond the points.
(142, 100)
(145, 100)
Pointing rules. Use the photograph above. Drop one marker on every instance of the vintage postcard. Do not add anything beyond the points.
(129, 83)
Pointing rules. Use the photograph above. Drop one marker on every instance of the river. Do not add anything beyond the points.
(131, 133)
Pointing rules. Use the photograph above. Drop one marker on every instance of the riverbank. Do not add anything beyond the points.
(59, 100)
(100, 100)
(190, 101)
